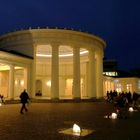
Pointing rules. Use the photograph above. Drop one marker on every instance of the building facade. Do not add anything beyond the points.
(118, 80)
(57, 64)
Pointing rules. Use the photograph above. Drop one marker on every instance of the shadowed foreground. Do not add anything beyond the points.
(45, 120)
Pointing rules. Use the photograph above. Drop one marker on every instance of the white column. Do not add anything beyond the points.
(91, 75)
(27, 79)
(99, 74)
(76, 73)
(55, 72)
(33, 72)
(11, 82)
(104, 88)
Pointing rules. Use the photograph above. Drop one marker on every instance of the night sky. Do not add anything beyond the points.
(116, 21)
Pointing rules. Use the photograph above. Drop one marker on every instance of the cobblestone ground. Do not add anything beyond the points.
(43, 121)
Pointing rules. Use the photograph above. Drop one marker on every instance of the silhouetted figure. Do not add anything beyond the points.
(135, 99)
(24, 99)
(129, 97)
(108, 96)
(122, 106)
(38, 93)
(111, 97)
(2, 98)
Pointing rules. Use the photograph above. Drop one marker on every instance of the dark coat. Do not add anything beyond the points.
(24, 97)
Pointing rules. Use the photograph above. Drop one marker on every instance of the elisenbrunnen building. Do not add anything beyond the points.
(55, 64)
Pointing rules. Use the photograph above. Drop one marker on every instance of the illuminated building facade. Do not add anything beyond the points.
(121, 84)
(57, 64)
(119, 80)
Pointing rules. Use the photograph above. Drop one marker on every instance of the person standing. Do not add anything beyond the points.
(24, 97)
(2, 98)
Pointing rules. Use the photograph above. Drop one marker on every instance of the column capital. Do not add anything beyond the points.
(75, 48)
(11, 65)
(72, 45)
(35, 45)
(100, 53)
(91, 49)
(56, 44)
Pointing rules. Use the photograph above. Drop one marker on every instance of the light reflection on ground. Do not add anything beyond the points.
(84, 132)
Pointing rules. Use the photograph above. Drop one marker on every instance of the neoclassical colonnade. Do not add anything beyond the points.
(14, 75)
(27, 42)
(94, 74)
(16, 85)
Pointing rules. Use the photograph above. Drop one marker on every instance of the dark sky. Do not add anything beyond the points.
(116, 21)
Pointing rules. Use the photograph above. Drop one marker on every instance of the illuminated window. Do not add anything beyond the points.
(116, 81)
(110, 73)
(129, 87)
(118, 87)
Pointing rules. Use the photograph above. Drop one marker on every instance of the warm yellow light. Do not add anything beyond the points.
(76, 129)
(4, 67)
(114, 116)
(49, 83)
(61, 55)
(43, 55)
(22, 82)
(16, 82)
(16, 67)
(84, 52)
(131, 109)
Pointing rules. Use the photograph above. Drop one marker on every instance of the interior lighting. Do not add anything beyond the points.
(61, 55)
(4, 67)
(65, 55)
(22, 82)
(16, 82)
(49, 83)
(44, 55)
(17, 67)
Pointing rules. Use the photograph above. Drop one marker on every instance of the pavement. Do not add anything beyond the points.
(45, 120)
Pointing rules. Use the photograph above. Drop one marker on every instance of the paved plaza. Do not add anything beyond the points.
(43, 121)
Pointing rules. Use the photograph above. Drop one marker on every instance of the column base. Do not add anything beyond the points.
(76, 99)
(10, 99)
(100, 98)
(55, 99)
(93, 99)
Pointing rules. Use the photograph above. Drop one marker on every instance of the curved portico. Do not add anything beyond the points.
(66, 64)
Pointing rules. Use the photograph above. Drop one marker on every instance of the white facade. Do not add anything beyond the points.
(123, 84)
(65, 64)
(14, 75)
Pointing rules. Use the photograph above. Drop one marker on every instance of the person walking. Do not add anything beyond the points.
(24, 97)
